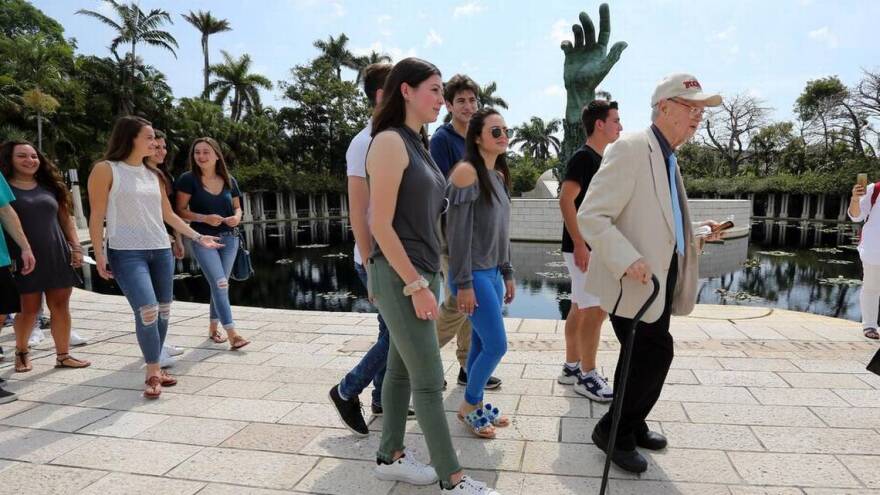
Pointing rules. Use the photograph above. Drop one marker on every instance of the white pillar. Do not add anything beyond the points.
(805, 211)
(259, 207)
(325, 208)
(292, 200)
(783, 208)
(78, 215)
(247, 214)
(820, 207)
(771, 205)
(279, 206)
(844, 204)
(312, 212)
(343, 205)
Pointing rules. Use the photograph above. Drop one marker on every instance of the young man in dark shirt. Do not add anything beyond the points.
(447, 148)
(584, 322)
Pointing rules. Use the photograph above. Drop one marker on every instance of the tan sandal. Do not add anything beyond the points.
(238, 342)
(67, 361)
(167, 380)
(216, 337)
(22, 363)
(154, 387)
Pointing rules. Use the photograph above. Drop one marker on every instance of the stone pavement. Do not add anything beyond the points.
(758, 402)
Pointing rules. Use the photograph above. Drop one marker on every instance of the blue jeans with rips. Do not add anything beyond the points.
(372, 365)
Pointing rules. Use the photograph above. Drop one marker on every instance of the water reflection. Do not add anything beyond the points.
(308, 265)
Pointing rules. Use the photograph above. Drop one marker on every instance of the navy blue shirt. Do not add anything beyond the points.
(665, 148)
(447, 148)
(203, 202)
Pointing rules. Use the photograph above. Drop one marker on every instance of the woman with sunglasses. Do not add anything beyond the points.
(480, 274)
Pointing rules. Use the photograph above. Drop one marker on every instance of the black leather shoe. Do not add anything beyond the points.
(651, 440)
(628, 460)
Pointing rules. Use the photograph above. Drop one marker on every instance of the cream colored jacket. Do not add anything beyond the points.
(627, 215)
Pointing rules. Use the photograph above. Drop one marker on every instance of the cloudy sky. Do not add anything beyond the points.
(768, 48)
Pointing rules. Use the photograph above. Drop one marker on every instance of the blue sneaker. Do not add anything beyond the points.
(594, 386)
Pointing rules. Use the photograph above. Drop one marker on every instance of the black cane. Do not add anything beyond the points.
(620, 388)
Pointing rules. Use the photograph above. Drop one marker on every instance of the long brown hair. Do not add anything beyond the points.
(48, 175)
(162, 166)
(392, 112)
(473, 156)
(121, 142)
(221, 169)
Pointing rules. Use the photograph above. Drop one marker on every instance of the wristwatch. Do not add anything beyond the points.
(416, 286)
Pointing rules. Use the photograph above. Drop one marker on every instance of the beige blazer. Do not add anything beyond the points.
(627, 215)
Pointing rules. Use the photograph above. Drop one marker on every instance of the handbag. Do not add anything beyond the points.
(242, 268)
(874, 365)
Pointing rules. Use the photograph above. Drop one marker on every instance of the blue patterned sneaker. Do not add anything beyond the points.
(594, 386)
(569, 375)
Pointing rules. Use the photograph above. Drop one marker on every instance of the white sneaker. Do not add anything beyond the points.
(408, 470)
(470, 486)
(594, 386)
(171, 350)
(165, 361)
(77, 339)
(36, 337)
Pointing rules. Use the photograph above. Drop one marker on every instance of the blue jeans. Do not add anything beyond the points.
(488, 337)
(146, 277)
(216, 265)
(372, 365)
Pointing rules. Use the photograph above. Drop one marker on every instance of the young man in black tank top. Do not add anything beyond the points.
(584, 322)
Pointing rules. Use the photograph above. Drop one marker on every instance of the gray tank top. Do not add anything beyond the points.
(420, 202)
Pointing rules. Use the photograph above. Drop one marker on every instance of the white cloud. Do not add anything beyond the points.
(554, 90)
(433, 39)
(338, 9)
(734, 49)
(395, 52)
(383, 18)
(468, 9)
(561, 31)
(724, 35)
(824, 35)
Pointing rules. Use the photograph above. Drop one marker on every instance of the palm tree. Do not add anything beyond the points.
(37, 66)
(234, 76)
(487, 97)
(207, 25)
(135, 26)
(536, 138)
(373, 58)
(335, 51)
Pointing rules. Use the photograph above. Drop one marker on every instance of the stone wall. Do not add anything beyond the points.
(541, 220)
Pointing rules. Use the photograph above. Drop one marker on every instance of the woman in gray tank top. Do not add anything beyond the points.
(406, 201)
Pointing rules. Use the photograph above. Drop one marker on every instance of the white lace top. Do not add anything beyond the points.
(134, 209)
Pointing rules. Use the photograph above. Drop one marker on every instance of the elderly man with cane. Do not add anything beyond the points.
(635, 218)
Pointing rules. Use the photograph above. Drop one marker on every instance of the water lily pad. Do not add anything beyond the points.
(752, 263)
(284, 261)
(836, 262)
(338, 295)
(742, 295)
(830, 250)
(563, 296)
(849, 247)
(776, 253)
(184, 275)
(313, 246)
(559, 275)
(840, 280)
(335, 255)
(555, 252)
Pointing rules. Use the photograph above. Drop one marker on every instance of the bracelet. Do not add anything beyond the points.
(197, 238)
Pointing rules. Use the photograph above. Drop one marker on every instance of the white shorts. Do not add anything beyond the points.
(579, 294)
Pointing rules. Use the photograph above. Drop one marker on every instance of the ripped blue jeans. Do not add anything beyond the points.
(216, 265)
(146, 277)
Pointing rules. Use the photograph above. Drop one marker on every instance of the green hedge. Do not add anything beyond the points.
(272, 177)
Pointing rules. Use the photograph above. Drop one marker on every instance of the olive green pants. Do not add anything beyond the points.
(414, 368)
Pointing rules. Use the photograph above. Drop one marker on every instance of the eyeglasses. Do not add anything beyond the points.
(497, 131)
(693, 111)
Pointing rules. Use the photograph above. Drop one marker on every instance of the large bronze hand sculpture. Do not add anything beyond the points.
(586, 65)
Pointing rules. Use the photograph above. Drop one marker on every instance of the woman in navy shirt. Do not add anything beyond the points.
(209, 198)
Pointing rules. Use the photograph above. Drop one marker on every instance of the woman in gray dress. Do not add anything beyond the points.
(43, 204)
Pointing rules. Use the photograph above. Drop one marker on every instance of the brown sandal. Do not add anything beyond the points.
(216, 337)
(22, 363)
(154, 387)
(238, 342)
(871, 333)
(70, 362)
(167, 380)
